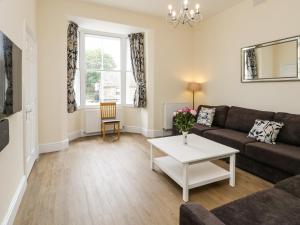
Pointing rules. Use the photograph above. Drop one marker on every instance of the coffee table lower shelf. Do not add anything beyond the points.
(197, 175)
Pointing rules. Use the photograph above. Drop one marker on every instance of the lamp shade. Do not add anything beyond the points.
(193, 86)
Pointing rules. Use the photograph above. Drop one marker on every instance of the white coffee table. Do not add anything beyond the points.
(189, 165)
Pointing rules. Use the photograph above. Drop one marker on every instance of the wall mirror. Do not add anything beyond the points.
(272, 61)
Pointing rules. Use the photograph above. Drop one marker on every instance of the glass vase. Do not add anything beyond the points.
(185, 136)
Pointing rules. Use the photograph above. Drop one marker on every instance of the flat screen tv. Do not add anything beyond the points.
(10, 77)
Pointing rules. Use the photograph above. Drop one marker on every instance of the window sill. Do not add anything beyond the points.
(98, 107)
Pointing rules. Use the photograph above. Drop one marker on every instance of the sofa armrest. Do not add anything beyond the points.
(290, 185)
(195, 214)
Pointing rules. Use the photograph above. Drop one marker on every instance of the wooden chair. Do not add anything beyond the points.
(108, 114)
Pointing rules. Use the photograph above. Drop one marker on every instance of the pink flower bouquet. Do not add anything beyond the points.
(185, 119)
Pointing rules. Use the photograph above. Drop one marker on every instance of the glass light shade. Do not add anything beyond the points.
(192, 13)
(184, 14)
(173, 15)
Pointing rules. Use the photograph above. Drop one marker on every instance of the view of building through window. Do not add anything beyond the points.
(103, 59)
(103, 63)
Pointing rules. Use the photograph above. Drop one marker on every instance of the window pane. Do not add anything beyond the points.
(110, 87)
(102, 53)
(130, 88)
(111, 53)
(93, 56)
(92, 87)
(128, 57)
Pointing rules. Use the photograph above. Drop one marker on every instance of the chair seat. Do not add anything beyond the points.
(110, 121)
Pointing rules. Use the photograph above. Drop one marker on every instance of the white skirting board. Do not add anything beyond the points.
(153, 133)
(75, 135)
(62, 145)
(128, 129)
(54, 147)
(143, 131)
(15, 203)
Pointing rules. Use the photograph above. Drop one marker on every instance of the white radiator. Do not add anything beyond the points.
(92, 120)
(169, 109)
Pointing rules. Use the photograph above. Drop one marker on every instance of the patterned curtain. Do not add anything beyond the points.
(72, 62)
(251, 64)
(138, 67)
(8, 48)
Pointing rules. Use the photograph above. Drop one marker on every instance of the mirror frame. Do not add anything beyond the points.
(295, 38)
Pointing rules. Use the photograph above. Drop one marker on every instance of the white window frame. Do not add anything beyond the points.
(83, 70)
(79, 106)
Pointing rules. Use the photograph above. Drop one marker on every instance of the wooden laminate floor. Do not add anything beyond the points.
(110, 183)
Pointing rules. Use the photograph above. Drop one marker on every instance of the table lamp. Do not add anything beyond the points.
(194, 87)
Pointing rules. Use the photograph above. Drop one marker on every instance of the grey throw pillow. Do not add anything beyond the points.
(265, 131)
(206, 116)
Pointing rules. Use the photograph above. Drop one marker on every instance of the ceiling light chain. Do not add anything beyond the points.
(185, 15)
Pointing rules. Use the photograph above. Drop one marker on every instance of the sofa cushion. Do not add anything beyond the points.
(242, 119)
(281, 156)
(262, 170)
(290, 185)
(199, 129)
(290, 133)
(231, 138)
(220, 115)
(271, 207)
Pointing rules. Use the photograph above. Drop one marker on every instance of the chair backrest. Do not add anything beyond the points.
(108, 110)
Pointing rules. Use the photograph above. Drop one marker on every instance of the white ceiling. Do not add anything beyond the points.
(159, 7)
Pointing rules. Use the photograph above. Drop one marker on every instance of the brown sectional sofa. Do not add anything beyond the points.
(272, 162)
(276, 206)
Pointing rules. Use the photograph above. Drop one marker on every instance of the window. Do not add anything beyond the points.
(105, 64)
(103, 69)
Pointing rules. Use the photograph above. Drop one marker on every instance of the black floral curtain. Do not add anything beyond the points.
(8, 48)
(251, 63)
(138, 66)
(72, 52)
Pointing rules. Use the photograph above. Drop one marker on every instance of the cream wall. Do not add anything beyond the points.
(271, 59)
(218, 42)
(12, 16)
(51, 25)
(265, 62)
(75, 121)
(169, 59)
(209, 53)
(284, 54)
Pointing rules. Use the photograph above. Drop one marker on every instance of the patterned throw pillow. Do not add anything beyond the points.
(206, 116)
(265, 131)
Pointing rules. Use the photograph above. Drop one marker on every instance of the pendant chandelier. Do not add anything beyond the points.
(185, 15)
